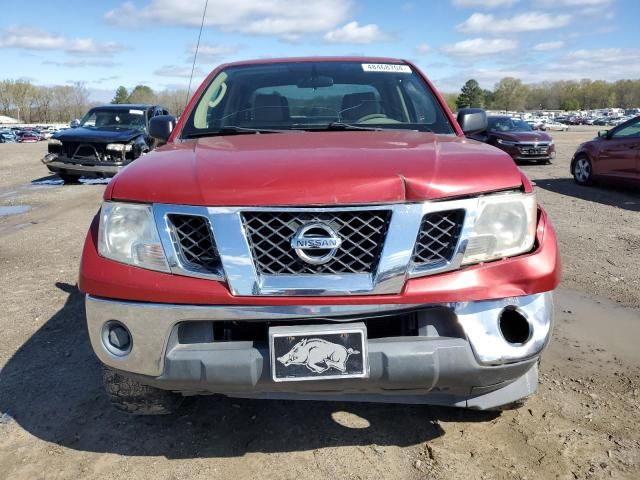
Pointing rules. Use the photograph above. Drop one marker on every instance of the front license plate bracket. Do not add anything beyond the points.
(318, 352)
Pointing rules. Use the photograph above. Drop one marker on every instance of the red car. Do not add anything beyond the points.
(27, 136)
(320, 228)
(613, 156)
(518, 139)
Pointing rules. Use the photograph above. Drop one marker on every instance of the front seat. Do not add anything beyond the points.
(358, 105)
(272, 108)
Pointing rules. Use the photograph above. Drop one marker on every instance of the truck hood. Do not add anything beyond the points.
(315, 168)
(523, 136)
(90, 135)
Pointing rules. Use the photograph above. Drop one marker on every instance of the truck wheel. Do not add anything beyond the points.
(582, 171)
(69, 178)
(130, 395)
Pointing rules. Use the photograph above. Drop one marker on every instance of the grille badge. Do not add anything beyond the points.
(315, 243)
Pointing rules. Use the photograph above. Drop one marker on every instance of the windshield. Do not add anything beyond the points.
(114, 118)
(316, 96)
(506, 124)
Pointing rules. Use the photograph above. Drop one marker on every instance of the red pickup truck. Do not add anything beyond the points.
(320, 228)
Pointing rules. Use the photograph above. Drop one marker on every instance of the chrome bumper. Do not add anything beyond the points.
(478, 358)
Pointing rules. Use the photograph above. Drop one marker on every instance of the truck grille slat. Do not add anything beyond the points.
(194, 242)
(438, 237)
(362, 233)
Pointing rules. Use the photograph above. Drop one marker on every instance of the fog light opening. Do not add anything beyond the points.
(514, 326)
(116, 338)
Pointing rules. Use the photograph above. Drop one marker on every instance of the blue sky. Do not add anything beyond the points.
(111, 43)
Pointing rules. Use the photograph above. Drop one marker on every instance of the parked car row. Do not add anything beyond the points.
(26, 134)
(613, 156)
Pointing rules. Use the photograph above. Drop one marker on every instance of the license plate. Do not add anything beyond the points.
(318, 352)
(533, 151)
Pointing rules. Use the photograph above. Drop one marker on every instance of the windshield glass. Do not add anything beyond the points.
(114, 118)
(506, 124)
(316, 96)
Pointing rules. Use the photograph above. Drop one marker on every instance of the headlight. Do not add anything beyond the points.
(128, 234)
(505, 226)
(54, 141)
(506, 142)
(119, 147)
(551, 143)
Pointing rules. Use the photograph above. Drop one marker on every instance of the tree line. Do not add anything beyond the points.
(29, 103)
(174, 100)
(513, 95)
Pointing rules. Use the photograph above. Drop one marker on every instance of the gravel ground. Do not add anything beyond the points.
(56, 423)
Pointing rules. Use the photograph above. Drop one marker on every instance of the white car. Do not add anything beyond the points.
(551, 125)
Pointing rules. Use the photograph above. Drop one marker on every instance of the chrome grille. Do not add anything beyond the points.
(533, 148)
(362, 233)
(194, 242)
(438, 237)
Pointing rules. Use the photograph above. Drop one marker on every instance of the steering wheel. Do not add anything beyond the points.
(371, 116)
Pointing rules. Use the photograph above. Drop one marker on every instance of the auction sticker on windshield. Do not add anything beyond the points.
(136, 112)
(386, 67)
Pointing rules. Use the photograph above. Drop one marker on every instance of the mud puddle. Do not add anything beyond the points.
(14, 210)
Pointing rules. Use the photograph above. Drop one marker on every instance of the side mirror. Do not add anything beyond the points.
(472, 120)
(604, 134)
(74, 123)
(160, 127)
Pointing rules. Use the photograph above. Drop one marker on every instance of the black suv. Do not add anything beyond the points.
(103, 142)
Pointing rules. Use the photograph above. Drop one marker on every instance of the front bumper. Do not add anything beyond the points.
(458, 357)
(64, 165)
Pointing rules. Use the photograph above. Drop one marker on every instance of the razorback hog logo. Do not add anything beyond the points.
(316, 352)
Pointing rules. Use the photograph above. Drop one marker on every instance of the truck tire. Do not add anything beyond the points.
(131, 396)
(69, 178)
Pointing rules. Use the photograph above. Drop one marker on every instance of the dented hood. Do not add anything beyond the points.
(315, 168)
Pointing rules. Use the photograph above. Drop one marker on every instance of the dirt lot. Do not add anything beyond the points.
(55, 421)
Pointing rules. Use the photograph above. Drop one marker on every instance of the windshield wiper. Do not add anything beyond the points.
(234, 130)
(348, 126)
(341, 126)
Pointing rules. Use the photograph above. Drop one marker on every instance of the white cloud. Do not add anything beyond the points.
(606, 55)
(483, 3)
(525, 22)
(283, 18)
(32, 39)
(82, 63)
(212, 52)
(481, 47)
(353, 32)
(546, 46)
(177, 71)
(423, 49)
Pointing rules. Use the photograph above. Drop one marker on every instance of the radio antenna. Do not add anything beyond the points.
(195, 54)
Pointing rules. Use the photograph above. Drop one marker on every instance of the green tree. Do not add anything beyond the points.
(510, 94)
(470, 95)
(142, 94)
(451, 99)
(121, 96)
(487, 98)
(570, 104)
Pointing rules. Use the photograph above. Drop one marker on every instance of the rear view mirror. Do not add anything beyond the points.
(472, 120)
(160, 127)
(603, 134)
(315, 82)
(74, 123)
